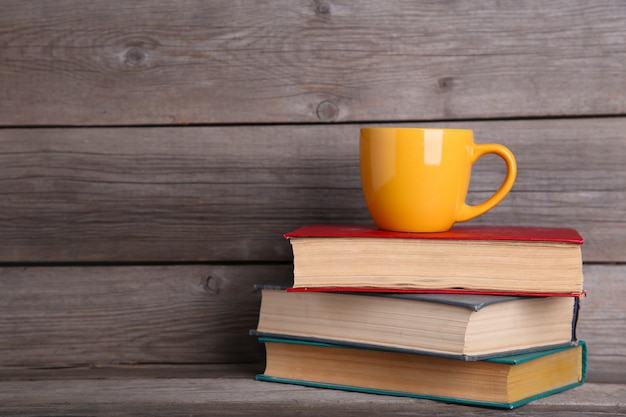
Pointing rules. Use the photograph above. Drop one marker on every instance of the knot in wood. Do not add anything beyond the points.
(327, 111)
(445, 83)
(212, 284)
(135, 56)
(322, 8)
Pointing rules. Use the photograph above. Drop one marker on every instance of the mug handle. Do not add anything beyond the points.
(468, 212)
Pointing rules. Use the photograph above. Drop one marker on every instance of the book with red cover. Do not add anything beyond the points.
(466, 259)
(374, 290)
(485, 233)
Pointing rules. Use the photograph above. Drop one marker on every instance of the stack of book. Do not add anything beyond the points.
(476, 315)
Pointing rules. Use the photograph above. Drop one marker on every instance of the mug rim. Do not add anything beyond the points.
(415, 128)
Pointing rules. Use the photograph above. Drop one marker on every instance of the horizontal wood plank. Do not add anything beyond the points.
(93, 316)
(133, 315)
(602, 321)
(163, 62)
(229, 193)
(162, 339)
(130, 371)
(244, 397)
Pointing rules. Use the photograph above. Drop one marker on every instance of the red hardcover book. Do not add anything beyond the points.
(477, 233)
(466, 259)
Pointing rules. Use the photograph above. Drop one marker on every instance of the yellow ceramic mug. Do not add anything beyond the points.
(416, 180)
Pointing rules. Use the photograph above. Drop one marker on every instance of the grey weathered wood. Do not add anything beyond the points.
(134, 370)
(104, 316)
(156, 339)
(229, 193)
(92, 316)
(163, 62)
(244, 397)
(602, 321)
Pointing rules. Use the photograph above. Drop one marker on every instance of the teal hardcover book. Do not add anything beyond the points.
(505, 382)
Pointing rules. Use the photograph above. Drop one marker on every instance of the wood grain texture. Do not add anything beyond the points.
(263, 78)
(93, 316)
(201, 314)
(602, 321)
(244, 397)
(229, 193)
(163, 62)
(130, 371)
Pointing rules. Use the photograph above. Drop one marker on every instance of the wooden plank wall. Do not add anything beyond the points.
(152, 154)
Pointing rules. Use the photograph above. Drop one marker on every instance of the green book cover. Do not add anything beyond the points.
(513, 360)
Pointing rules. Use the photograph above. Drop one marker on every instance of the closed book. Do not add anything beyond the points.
(506, 382)
(487, 259)
(462, 326)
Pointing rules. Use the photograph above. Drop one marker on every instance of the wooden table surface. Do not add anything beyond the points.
(221, 392)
